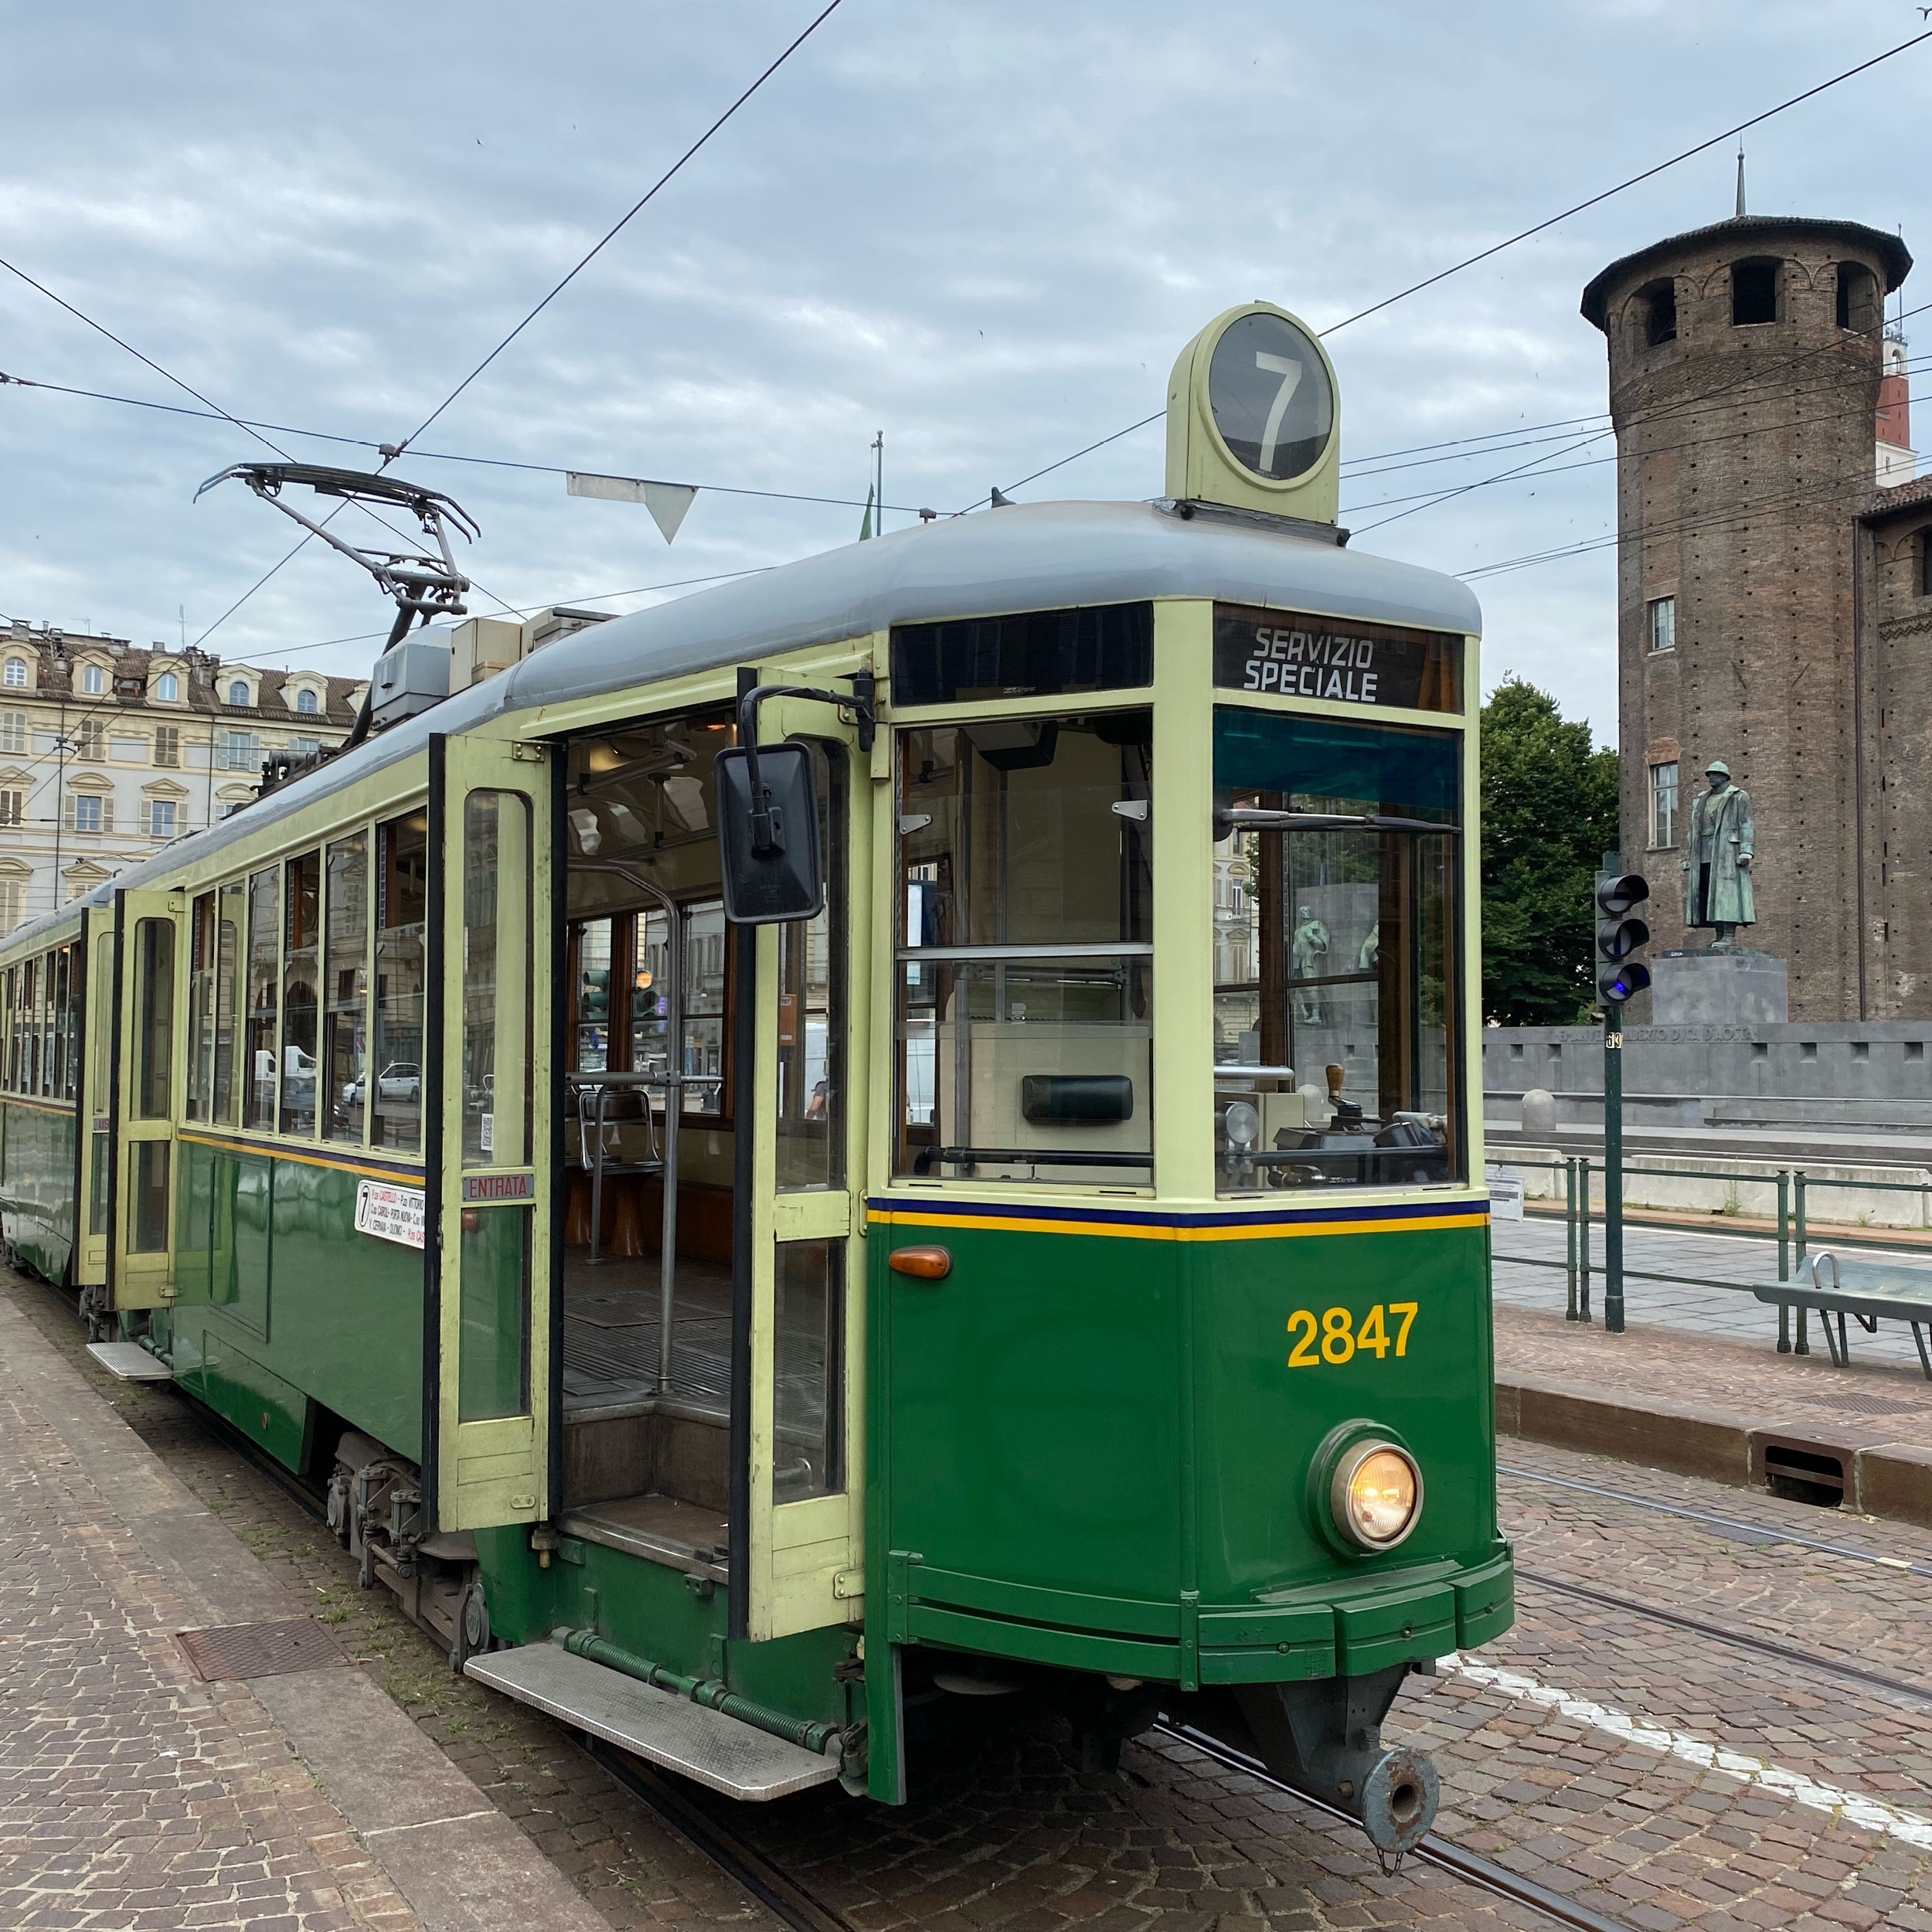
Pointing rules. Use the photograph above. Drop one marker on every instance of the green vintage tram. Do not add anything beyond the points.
(1053, 1265)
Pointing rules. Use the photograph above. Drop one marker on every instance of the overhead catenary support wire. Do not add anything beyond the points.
(616, 229)
(1497, 248)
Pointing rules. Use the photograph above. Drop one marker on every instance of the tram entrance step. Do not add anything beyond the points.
(670, 1731)
(130, 1361)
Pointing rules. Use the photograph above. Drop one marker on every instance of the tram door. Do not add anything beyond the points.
(805, 1216)
(94, 1087)
(487, 1100)
(148, 1061)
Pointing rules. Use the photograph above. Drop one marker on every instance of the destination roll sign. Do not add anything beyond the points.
(1290, 654)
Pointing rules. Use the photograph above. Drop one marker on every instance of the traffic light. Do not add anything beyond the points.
(1620, 977)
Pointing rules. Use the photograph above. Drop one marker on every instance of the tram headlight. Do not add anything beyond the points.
(1375, 1494)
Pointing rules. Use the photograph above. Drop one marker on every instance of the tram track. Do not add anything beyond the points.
(1753, 1532)
(1446, 1856)
(1738, 1639)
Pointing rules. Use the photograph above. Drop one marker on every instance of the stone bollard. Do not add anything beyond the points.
(1539, 1113)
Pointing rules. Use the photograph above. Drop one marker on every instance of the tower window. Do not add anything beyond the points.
(1662, 613)
(1660, 313)
(1856, 305)
(1663, 804)
(1753, 292)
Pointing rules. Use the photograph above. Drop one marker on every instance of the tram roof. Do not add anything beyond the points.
(1034, 556)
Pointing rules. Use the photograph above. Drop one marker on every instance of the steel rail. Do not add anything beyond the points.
(1742, 1639)
(1763, 1532)
(788, 1901)
(1433, 1850)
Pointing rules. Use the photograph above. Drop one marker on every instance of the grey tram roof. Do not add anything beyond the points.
(1747, 231)
(1043, 557)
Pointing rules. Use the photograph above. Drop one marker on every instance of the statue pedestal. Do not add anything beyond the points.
(1705, 989)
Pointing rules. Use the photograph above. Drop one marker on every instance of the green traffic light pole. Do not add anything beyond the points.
(1619, 977)
(1613, 1169)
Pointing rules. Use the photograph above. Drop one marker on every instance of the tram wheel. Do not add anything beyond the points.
(472, 1626)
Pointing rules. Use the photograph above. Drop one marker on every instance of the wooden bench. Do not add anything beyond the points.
(1868, 1291)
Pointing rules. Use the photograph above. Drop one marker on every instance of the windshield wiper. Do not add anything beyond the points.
(1245, 818)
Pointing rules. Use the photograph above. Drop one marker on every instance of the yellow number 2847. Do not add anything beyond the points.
(1335, 1338)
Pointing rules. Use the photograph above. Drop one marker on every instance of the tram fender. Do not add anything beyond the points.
(1324, 1737)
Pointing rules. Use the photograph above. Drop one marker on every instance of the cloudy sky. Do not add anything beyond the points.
(985, 229)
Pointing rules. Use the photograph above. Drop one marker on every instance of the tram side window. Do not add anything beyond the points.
(811, 1009)
(201, 1008)
(1337, 995)
(264, 989)
(9, 1020)
(808, 1380)
(62, 1086)
(593, 969)
(231, 920)
(30, 978)
(497, 1040)
(1024, 986)
(301, 970)
(702, 991)
(345, 982)
(401, 976)
(153, 1020)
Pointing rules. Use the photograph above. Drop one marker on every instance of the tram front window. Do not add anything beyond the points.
(1025, 975)
(1337, 1025)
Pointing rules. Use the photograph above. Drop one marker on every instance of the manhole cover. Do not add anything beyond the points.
(1853, 1405)
(259, 1650)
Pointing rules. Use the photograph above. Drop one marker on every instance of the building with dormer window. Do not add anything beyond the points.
(108, 750)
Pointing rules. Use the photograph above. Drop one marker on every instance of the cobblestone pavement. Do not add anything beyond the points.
(1875, 1400)
(1518, 1281)
(1547, 1764)
(131, 1793)
(1005, 1837)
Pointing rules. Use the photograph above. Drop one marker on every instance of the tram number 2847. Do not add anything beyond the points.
(1335, 1338)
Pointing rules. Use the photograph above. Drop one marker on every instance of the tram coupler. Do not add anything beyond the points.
(1324, 1738)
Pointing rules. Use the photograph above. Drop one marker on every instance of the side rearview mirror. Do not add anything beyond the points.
(768, 835)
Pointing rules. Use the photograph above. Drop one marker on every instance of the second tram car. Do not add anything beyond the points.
(1054, 1266)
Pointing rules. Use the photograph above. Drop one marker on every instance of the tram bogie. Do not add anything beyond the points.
(1048, 1264)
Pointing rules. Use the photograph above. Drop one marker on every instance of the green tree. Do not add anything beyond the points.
(1549, 815)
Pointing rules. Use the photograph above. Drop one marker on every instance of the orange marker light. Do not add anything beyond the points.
(924, 1264)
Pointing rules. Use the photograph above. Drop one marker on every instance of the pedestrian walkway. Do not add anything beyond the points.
(1728, 1315)
(133, 1793)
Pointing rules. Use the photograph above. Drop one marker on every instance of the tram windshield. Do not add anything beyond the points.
(1336, 992)
(1025, 973)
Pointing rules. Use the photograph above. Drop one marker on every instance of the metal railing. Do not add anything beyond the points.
(1792, 1185)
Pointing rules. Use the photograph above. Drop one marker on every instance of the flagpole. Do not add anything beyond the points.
(878, 483)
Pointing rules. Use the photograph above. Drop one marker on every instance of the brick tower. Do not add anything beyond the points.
(1745, 365)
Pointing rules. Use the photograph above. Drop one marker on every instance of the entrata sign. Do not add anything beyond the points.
(499, 1187)
(1286, 654)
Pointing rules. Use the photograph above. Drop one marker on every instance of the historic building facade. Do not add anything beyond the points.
(107, 751)
(1758, 407)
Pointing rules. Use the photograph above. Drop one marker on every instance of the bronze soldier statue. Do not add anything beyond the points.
(1717, 858)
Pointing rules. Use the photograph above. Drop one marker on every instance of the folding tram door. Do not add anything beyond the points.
(800, 1073)
(490, 1231)
(146, 1071)
(95, 1082)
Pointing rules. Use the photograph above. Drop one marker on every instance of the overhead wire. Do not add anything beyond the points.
(618, 227)
(432, 455)
(1497, 248)
(392, 452)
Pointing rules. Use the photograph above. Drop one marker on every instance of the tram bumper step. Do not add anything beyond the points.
(130, 1361)
(668, 1731)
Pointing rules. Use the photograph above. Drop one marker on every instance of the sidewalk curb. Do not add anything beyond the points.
(1889, 1479)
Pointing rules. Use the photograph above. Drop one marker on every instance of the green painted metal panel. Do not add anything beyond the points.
(37, 1186)
(259, 1402)
(1030, 1405)
(1072, 1610)
(1070, 1649)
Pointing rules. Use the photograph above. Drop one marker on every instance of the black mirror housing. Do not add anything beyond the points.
(768, 844)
